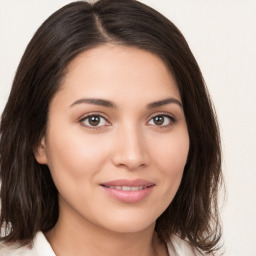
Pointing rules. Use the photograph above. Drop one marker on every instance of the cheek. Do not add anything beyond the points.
(171, 153)
(74, 155)
(170, 157)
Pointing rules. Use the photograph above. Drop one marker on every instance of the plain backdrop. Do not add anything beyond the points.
(222, 36)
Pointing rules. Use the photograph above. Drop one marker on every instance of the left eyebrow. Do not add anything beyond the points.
(164, 102)
(95, 101)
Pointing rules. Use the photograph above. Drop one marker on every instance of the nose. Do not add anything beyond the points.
(130, 149)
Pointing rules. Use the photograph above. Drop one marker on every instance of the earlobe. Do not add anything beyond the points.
(40, 152)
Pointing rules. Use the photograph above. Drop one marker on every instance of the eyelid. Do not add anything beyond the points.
(172, 118)
(100, 114)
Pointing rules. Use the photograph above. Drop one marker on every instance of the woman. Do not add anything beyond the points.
(109, 142)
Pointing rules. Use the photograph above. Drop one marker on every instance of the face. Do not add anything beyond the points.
(117, 140)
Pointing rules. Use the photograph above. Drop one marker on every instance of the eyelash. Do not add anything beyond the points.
(172, 120)
(99, 115)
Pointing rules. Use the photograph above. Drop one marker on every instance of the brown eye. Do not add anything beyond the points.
(94, 121)
(158, 120)
(162, 120)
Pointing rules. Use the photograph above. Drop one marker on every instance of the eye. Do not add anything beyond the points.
(162, 120)
(94, 121)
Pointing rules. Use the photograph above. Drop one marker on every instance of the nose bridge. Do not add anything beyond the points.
(130, 147)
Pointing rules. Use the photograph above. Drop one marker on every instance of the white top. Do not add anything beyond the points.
(41, 247)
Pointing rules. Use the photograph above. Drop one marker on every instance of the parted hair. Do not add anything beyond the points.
(29, 197)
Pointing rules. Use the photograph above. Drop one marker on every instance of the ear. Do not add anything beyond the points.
(40, 152)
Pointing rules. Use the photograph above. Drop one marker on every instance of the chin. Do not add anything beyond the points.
(129, 225)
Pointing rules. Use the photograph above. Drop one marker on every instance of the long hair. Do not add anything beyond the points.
(28, 194)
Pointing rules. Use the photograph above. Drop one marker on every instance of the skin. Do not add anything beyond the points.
(128, 143)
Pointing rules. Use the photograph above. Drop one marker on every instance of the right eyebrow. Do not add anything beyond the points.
(164, 102)
(95, 101)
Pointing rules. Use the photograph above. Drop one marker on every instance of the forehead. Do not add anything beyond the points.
(119, 71)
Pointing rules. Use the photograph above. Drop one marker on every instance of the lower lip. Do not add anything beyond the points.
(128, 196)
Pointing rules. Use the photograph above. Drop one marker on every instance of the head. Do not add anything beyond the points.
(74, 31)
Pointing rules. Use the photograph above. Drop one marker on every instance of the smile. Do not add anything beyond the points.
(128, 191)
(128, 188)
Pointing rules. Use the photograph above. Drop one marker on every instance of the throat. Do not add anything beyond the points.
(129, 245)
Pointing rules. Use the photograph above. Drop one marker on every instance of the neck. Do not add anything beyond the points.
(81, 237)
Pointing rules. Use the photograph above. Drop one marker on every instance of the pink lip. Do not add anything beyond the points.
(128, 196)
(124, 182)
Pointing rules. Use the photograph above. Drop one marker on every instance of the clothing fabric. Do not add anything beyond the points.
(41, 247)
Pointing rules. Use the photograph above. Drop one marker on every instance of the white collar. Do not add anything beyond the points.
(41, 247)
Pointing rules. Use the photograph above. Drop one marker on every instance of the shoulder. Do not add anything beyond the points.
(38, 247)
(14, 250)
(181, 247)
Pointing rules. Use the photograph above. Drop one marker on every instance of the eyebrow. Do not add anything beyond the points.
(164, 102)
(110, 104)
(95, 101)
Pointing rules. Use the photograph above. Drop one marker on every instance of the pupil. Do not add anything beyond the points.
(159, 120)
(94, 120)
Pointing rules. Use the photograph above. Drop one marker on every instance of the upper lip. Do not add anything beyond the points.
(130, 183)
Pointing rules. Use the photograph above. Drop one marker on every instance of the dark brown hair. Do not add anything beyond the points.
(29, 196)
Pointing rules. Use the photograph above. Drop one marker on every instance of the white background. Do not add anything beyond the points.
(222, 36)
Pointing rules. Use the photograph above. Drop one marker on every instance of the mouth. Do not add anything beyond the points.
(128, 188)
(128, 191)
